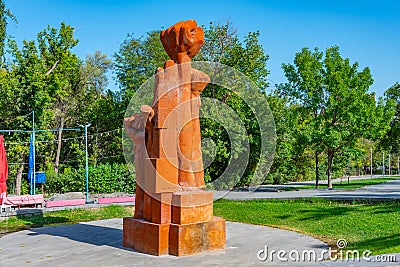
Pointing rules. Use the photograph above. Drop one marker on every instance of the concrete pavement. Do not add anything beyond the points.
(100, 244)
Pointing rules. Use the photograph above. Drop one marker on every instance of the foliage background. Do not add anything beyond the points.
(65, 91)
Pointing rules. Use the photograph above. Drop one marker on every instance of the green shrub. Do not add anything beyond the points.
(25, 187)
(108, 178)
(103, 178)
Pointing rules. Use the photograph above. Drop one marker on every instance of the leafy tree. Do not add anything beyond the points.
(23, 92)
(5, 14)
(391, 142)
(136, 61)
(223, 45)
(62, 74)
(336, 94)
(12, 117)
(99, 106)
(94, 73)
(45, 76)
(294, 158)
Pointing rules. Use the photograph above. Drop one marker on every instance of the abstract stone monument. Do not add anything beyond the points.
(173, 212)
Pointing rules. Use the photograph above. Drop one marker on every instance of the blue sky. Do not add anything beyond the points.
(365, 31)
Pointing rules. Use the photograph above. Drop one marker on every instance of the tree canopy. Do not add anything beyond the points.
(335, 94)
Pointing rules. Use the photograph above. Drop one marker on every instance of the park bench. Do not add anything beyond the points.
(3, 206)
(25, 201)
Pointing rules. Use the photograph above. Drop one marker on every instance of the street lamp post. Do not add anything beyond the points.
(87, 161)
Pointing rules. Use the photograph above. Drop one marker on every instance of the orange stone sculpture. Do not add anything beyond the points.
(173, 212)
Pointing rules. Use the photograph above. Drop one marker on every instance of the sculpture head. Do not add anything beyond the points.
(183, 37)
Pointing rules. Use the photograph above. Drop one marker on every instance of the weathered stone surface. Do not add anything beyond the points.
(199, 82)
(147, 210)
(192, 207)
(175, 239)
(161, 208)
(146, 237)
(182, 38)
(174, 214)
(166, 144)
(214, 234)
(188, 239)
(195, 214)
(139, 202)
(192, 198)
(171, 127)
(161, 175)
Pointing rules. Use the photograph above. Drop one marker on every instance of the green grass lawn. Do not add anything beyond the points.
(353, 184)
(365, 226)
(64, 217)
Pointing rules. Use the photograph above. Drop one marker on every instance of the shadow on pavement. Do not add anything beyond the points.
(85, 233)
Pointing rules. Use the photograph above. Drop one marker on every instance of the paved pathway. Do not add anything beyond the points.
(335, 180)
(386, 191)
(99, 244)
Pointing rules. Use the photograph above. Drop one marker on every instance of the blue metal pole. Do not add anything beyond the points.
(30, 178)
(33, 144)
(87, 166)
(87, 162)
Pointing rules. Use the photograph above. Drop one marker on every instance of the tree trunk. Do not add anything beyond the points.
(316, 157)
(330, 160)
(60, 130)
(316, 170)
(18, 180)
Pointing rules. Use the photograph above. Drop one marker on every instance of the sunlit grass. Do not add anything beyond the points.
(365, 226)
(69, 216)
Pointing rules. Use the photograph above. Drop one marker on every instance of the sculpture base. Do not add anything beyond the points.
(192, 207)
(174, 239)
(144, 236)
(188, 239)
